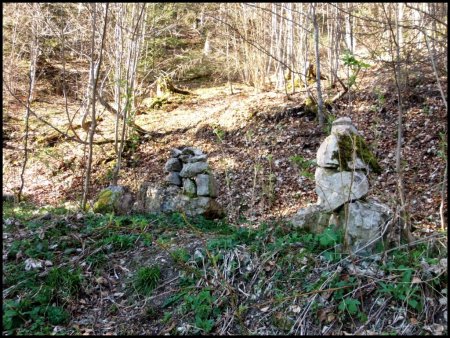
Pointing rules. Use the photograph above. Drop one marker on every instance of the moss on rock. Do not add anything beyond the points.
(310, 106)
(344, 155)
(106, 201)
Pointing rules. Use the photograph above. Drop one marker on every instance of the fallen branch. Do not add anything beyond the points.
(113, 111)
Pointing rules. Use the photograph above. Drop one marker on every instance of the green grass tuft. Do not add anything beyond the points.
(147, 279)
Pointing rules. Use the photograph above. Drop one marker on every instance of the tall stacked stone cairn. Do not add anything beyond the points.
(343, 161)
(189, 187)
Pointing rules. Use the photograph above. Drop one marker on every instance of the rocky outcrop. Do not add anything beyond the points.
(189, 187)
(343, 161)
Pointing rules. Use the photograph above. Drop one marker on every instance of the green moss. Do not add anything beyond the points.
(157, 102)
(310, 106)
(106, 201)
(344, 155)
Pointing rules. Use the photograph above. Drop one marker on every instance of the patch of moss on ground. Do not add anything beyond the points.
(344, 155)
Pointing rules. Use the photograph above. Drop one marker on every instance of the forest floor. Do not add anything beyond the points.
(250, 273)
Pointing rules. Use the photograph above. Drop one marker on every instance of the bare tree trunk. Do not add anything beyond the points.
(319, 89)
(95, 73)
(34, 50)
(118, 89)
(290, 43)
(132, 50)
(349, 36)
(404, 221)
(444, 180)
(230, 84)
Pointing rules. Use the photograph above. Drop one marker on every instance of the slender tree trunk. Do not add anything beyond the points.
(320, 113)
(34, 50)
(404, 221)
(444, 100)
(95, 73)
(118, 88)
(227, 33)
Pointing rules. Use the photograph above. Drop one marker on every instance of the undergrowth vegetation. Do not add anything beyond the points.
(201, 276)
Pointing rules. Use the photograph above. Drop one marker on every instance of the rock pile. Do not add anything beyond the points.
(343, 161)
(189, 187)
(188, 168)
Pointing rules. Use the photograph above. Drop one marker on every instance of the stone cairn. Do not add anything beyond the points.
(343, 161)
(189, 187)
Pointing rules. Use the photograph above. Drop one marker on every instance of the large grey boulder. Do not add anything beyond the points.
(117, 199)
(206, 206)
(192, 169)
(363, 223)
(206, 185)
(160, 198)
(336, 188)
(314, 218)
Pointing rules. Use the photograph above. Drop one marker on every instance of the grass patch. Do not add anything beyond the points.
(147, 279)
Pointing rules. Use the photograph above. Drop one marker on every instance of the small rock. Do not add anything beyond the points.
(189, 187)
(9, 221)
(173, 178)
(175, 152)
(343, 125)
(197, 158)
(116, 199)
(31, 263)
(192, 169)
(173, 164)
(206, 185)
(191, 151)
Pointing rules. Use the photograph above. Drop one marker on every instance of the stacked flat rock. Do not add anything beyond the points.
(335, 186)
(341, 183)
(190, 187)
(187, 168)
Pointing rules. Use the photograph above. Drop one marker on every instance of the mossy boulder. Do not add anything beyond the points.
(115, 199)
(347, 144)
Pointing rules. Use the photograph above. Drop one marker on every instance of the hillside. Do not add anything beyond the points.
(72, 271)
